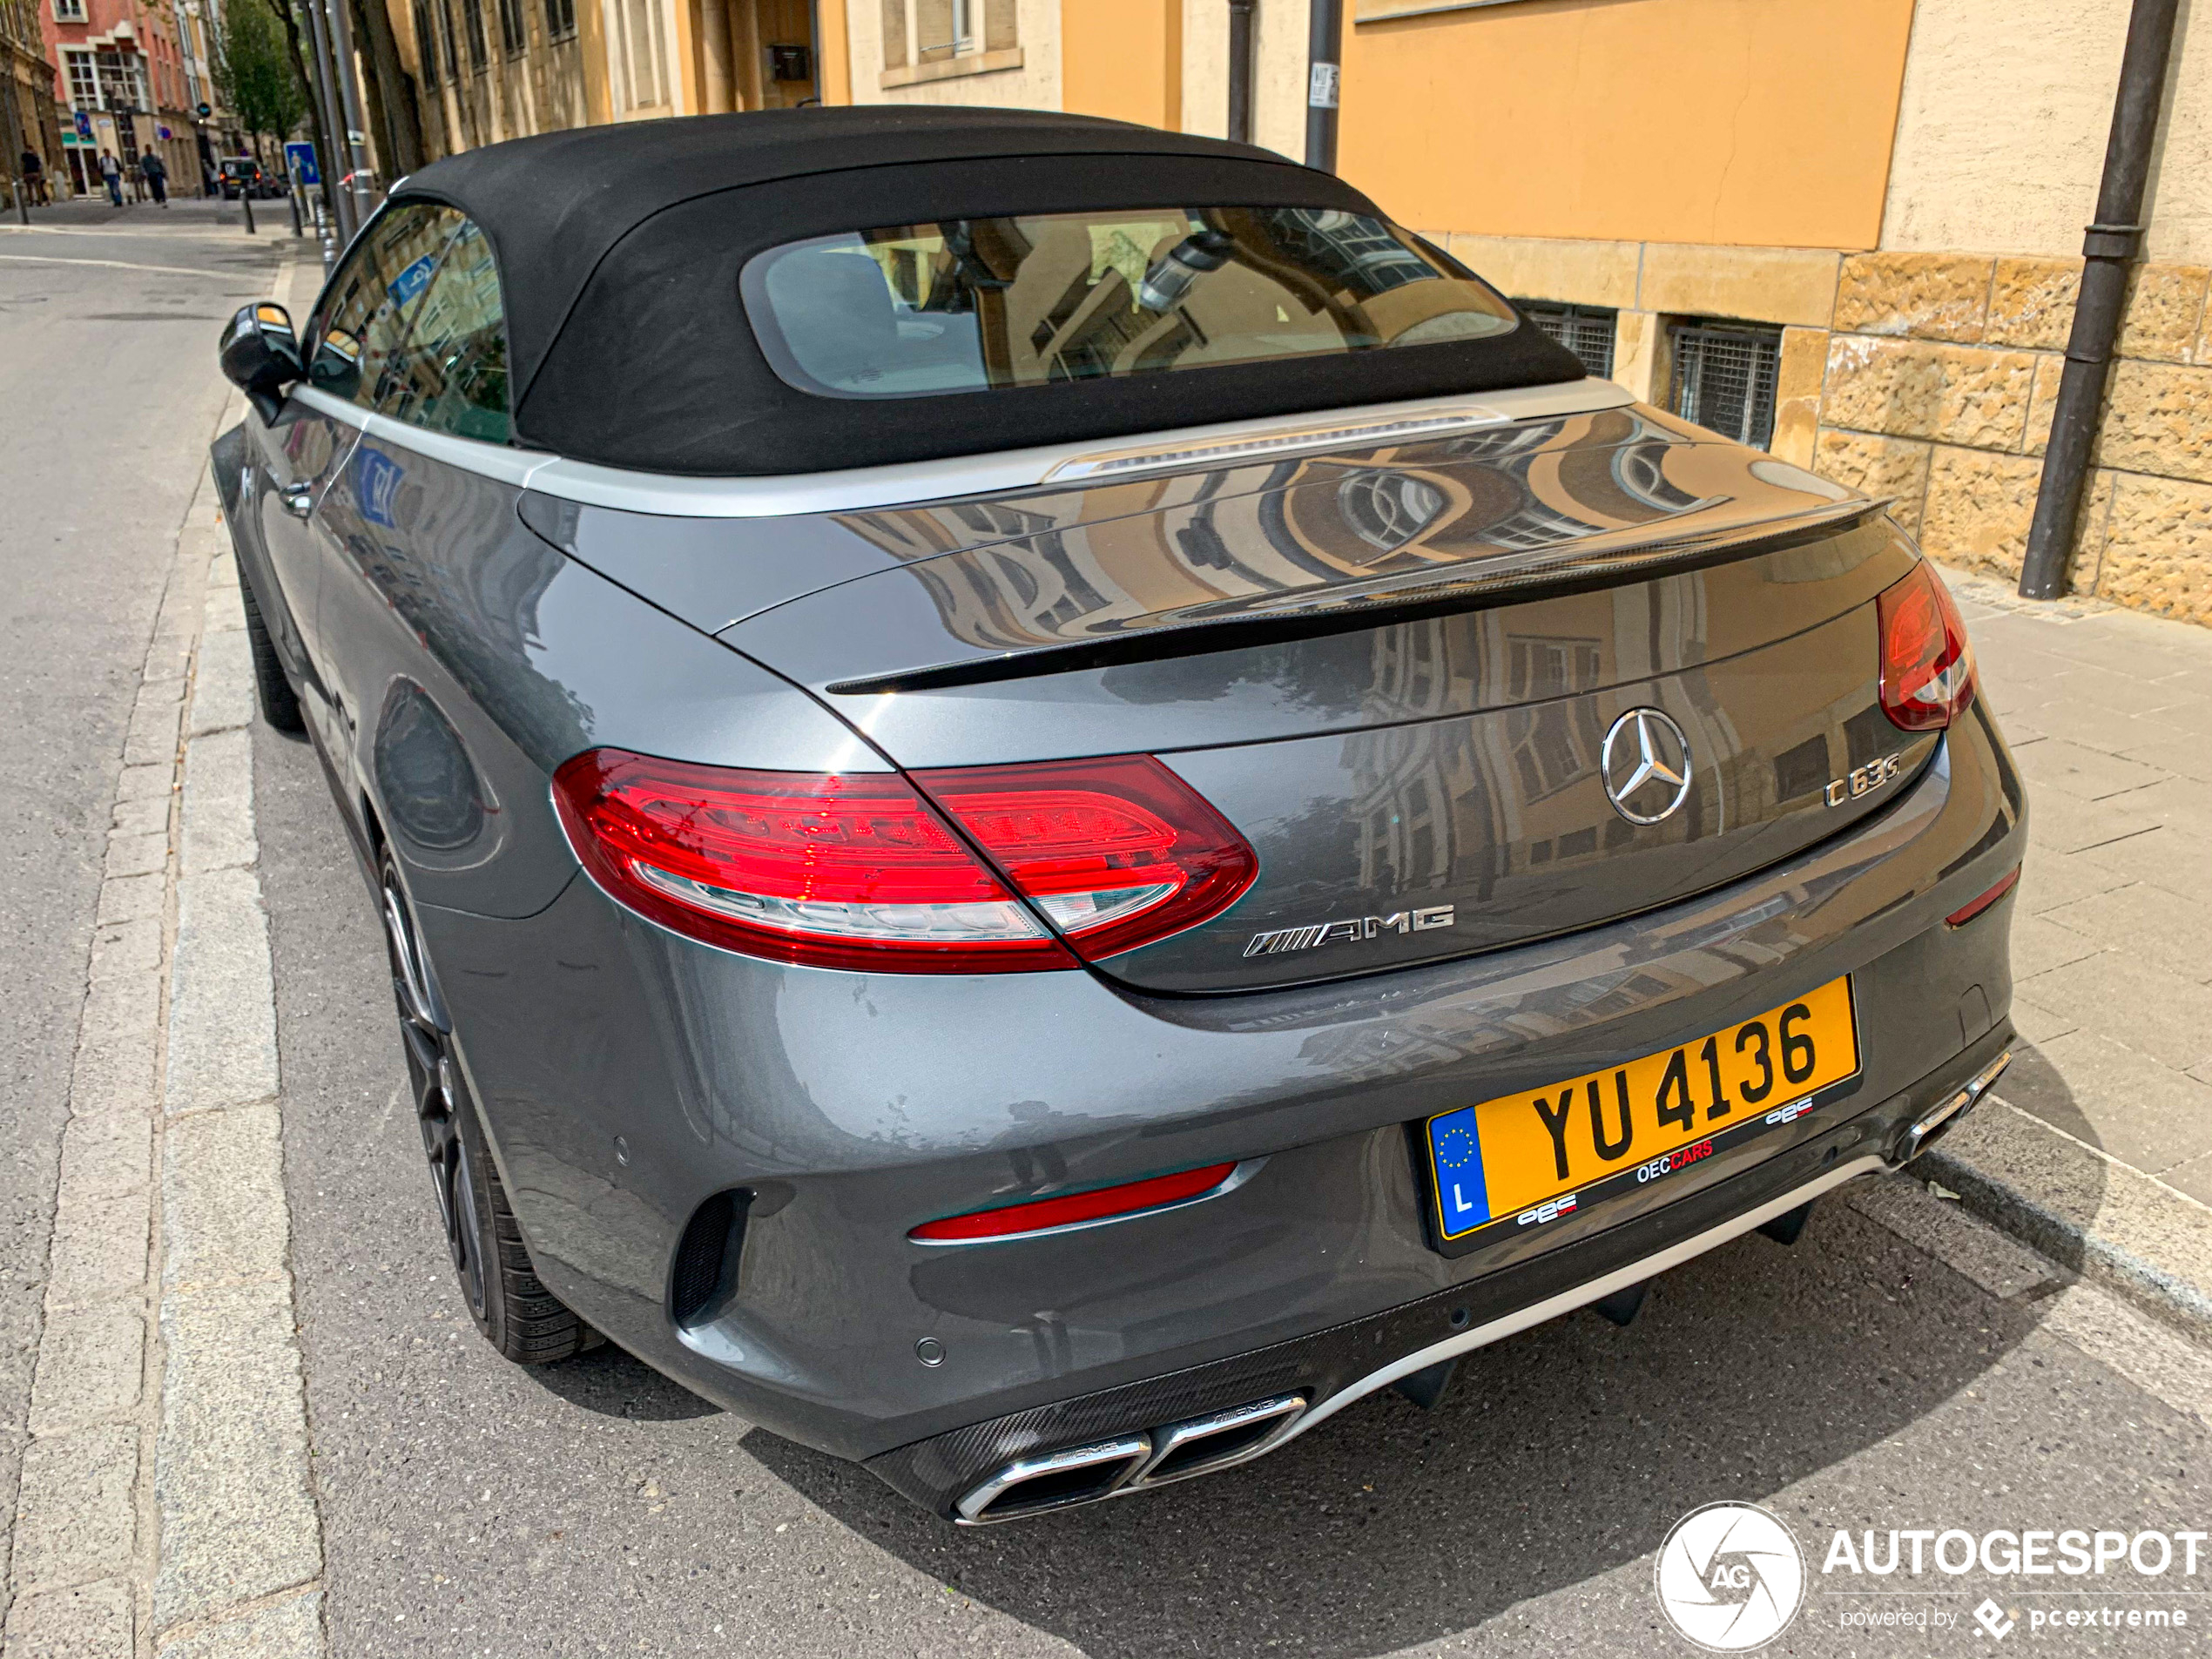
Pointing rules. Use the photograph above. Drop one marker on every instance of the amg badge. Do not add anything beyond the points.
(1336, 933)
(1864, 781)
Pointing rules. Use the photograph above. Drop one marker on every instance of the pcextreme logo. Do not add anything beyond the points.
(1731, 1577)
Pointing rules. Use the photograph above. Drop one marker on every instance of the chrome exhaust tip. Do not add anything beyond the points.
(1206, 1444)
(1030, 1485)
(1050, 1480)
(1939, 1119)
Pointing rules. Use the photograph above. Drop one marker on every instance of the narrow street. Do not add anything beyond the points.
(1903, 1365)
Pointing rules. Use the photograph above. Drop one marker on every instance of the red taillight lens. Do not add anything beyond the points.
(1117, 853)
(858, 870)
(1927, 666)
(1044, 1214)
(846, 870)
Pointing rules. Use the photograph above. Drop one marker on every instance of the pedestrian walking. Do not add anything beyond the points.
(111, 170)
(156, 173)
(34, 177)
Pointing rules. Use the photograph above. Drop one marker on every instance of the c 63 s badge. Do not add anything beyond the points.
(1864, 781)
(1351, 927)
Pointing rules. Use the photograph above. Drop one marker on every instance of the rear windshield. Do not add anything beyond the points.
(966, 305)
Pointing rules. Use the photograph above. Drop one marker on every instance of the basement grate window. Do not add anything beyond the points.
(1585, 330)
(1724, 378)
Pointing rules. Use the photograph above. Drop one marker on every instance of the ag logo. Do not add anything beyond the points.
(1731, 1577)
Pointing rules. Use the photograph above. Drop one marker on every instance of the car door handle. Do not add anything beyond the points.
(299, 499)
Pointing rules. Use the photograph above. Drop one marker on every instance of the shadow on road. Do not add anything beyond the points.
(608, 1381)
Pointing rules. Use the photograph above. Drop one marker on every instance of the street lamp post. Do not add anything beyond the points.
(341, 38)
(332, 119)
(1324, 74)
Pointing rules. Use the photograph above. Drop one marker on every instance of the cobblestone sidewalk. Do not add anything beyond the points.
(167, 1510)
(2098, 1148)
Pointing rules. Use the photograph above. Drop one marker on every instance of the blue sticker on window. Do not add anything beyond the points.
(412, 280)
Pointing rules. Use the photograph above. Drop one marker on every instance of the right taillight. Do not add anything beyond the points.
(859, 870)
(1927, 666)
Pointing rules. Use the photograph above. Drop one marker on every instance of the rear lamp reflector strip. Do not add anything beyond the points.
(1075, 1209)
(1965, 913)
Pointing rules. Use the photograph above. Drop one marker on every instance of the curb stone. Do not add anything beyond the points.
(2062, 1197)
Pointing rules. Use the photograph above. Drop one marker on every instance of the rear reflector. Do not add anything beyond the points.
(1117, 852)
(1101, 1204)
(1927, 666)
(1965, 913)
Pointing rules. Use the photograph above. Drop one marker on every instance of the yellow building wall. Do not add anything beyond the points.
(1122, 58)
(1758, 122)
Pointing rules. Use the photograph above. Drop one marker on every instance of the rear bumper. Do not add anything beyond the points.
(851, 1107)
(1334, 1368)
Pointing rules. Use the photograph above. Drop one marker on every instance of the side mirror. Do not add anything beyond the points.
(260, 356)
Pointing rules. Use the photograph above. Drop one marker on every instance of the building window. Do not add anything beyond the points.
(638, 23)
(68, 10)
(1585, 330)
(446, 49)
(514, 33)
(925, 39)
(1724, 378)
(560, 18)
(472, 19)
(426, 44)
(84, 84)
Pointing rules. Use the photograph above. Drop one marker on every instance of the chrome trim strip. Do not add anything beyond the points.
(861, 488)
(1134, 1449)
(495, 461)
(1582, 1295)
(1236, 1177)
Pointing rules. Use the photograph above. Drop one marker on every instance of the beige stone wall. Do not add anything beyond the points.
(1928, 378)
(2001, 130)
(1941, 372)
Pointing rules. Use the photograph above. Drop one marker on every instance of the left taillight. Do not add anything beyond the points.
(1927, 666)
(848, 870)
(861, 870)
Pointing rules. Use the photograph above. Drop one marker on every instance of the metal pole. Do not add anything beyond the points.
(246, 200)
(1324, 57)
(1240, 70)
(2108, 249)
(292, 196)
(342, 37)
(327, 96)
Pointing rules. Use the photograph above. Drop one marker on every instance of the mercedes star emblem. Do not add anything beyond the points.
(1647, 766)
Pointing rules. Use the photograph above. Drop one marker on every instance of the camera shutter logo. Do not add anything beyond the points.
(1731, 1577)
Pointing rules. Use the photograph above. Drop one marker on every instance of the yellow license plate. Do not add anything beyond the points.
(1527, 1158)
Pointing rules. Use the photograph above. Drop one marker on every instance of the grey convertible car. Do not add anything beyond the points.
(1047, 802)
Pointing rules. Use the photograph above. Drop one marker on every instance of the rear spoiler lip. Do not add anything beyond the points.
(1475, 584)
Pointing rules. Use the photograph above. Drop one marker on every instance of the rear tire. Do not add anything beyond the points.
(272, 690)
(518, 1316)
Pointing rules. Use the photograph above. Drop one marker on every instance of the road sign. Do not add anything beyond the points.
(83, 125)
(299, 157)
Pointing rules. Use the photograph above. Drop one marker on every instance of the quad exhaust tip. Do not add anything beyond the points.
(1939, 1119)
(1112, 1468)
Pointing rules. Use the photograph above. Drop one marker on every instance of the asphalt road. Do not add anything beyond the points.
(472, 1507)
(107, 401)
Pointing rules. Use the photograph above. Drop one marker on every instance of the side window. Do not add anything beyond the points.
(362, 323)
(456, 367)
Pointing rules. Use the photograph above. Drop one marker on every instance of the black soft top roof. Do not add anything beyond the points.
(618, 249)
